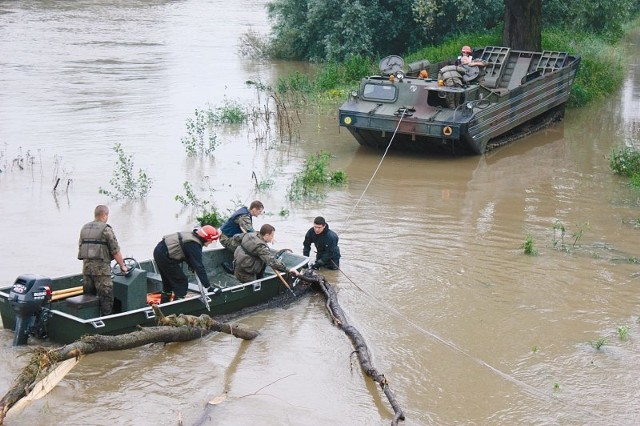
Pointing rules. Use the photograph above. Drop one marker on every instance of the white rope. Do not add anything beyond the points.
(404, 110)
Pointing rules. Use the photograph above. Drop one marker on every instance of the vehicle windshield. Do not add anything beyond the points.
(379, 92)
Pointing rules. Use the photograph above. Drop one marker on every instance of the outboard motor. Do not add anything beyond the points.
(27, 297)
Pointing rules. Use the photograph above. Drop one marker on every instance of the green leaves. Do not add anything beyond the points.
(126, 184)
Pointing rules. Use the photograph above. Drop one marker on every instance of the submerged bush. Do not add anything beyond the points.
(211, 216)
(624, 161)
(201, 138)
(315, 174)
(529, 247)
(231, 112)
(126, 184)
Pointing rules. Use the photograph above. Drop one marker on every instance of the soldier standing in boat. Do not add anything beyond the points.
(241, 221)
(253, 255)
(97, 247)
(180, 247)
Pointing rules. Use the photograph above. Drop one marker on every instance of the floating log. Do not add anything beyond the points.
(172, 328)
(340, 320)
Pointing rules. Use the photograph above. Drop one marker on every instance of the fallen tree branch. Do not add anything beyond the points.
(180, 328)
(340, 320)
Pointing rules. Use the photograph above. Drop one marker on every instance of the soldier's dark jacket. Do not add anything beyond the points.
(96, 247)
(253, 253)
(326, 245)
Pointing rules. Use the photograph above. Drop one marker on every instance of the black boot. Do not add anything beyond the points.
(165, 297)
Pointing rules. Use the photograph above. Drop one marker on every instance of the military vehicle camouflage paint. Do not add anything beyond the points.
(513, 88)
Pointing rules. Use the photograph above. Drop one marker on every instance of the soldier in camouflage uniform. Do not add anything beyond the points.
(451, 75)
(241, 221)
(253, 255)
(97, 247)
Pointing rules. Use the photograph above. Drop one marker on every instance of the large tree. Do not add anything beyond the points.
(523, 24)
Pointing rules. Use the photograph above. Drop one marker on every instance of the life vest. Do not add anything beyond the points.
(230, 227)
(92, 244)
(451, 74)
(175, 241)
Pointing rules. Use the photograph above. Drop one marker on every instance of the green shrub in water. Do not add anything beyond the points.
(624, 161)
(231, 112)
(212, 217)
(126, 184)
(529, 247)
(201, 138)
(315, 174)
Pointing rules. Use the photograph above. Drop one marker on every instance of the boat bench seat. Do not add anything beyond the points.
(154, 282)
(84, 306)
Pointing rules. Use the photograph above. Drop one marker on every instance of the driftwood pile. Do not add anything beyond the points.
(46, 367)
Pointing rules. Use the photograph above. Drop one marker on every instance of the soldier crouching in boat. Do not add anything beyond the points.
(180, 247)
(253, 255)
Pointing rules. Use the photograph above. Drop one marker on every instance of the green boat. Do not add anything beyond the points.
(55, 309)
(512, 93)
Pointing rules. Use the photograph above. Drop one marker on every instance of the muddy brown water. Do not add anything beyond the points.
(467, 329)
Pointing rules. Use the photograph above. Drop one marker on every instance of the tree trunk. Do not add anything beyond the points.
(340, 320)
(522, 24)
(181, 328)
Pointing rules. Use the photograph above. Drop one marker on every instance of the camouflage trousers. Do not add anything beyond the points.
(229, 243)
(102, 286)
(244, 277)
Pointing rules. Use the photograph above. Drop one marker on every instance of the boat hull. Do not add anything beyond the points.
(67, 322)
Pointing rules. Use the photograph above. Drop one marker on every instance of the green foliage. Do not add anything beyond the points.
(211, 216)
(254, 46)
(126, 184)
(624, 161)
(529, 247)
(262, 185)
(314, 176)
(334, 75)
(559, 232)
(191, 198)
(623, 332)
(200, 138)
(338, 178)
(445, 18)
(599, 343)
(600, 17)
(602, 67)
(284, 212)
(330, 30)
(231, 112)
(296, 82)
(450, 48)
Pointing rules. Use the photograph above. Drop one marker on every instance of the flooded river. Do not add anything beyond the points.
(465, 326)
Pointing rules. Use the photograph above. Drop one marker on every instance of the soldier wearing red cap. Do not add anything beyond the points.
(180, 247)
